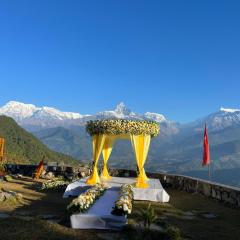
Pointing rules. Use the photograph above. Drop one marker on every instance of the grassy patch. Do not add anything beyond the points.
(225, 226)
(36, 204)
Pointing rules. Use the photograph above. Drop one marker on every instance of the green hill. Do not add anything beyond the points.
(22, 147)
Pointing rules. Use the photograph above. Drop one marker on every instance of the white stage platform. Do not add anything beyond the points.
(154, 193)
(99, 215)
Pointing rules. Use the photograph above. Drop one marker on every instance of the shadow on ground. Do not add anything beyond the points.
(43, 215)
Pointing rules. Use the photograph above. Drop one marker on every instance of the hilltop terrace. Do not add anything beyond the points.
(198, 209)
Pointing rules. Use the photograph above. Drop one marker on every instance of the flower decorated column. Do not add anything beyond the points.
(141, 145)
(97, 141)
(106, 151)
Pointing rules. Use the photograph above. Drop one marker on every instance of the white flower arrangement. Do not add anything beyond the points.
(54, 184)
(85, 200)
(123, 206)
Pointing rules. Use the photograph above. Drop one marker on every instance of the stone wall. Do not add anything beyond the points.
(227, 194)
(28, 170)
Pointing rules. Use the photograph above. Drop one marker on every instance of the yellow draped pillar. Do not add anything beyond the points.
(106, 151)
(141, 145)
(98, 141)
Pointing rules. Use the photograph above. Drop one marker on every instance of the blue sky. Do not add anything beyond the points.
(180, 58)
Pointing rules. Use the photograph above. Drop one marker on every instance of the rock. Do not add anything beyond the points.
(49, 175)
(206, 189)
(219, 195)
(82, 174)
(9, 195)
(214, 193)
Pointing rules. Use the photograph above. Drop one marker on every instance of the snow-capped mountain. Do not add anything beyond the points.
(20, 111)
(47, 112)
(231, 110)
(155, 117)
(31, 116)
(121, 111)
(224, 118)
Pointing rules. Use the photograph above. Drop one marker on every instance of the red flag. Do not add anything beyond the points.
(39, 169)
(206, 152)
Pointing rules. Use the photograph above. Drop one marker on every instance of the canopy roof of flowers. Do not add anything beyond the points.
(122, 127)
(105, 132)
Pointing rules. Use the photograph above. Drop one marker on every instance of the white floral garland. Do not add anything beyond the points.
(85, 200)
(123, 206)
(122, 126)
(54, 184)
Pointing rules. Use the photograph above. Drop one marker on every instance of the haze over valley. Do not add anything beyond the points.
(178, 148)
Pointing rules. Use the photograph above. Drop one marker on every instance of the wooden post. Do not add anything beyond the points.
(2, 141)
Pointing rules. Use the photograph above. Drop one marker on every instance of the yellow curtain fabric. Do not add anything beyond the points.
(106, 151)
(141, 145)
(98, 141)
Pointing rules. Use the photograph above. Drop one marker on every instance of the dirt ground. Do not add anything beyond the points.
(43, 215)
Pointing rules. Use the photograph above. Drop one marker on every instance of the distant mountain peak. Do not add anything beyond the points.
(229, 110)
(155, 117)
(31, 116)
(122, 112)
(21, 111)
(13, 104)
(18, 110)
(122, 109)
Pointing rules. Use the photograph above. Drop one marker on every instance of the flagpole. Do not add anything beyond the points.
(209, 172)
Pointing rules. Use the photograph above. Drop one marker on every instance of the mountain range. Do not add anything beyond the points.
(31, 116)
(178, 148)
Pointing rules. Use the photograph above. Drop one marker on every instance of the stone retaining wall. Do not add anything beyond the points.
(28, 170)
(220, 192)
(227, 194)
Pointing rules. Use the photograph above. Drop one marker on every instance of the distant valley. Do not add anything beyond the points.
(178, 148)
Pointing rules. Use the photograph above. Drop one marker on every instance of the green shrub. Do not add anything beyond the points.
(148, 215)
